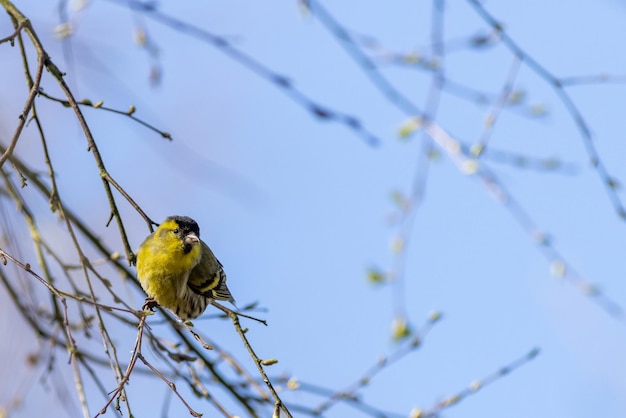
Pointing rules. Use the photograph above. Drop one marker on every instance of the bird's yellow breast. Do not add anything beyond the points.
(163, 267)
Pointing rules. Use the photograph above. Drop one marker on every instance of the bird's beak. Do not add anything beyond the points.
(191, 239)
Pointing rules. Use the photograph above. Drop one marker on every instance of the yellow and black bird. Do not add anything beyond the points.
(179, 271)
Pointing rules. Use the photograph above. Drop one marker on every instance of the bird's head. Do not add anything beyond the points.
(180, 233)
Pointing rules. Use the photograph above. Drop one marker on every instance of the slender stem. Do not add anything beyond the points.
(278, 403)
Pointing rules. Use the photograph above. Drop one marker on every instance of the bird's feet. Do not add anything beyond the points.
(149, 305)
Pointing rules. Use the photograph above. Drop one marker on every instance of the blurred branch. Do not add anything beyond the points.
(475, 386)
(526, 162)
(556, 84)
(468, 164)
(592, 79)
(434, 63)
(494, 113)
(351, 397)
(350, 393)
(392, 94)
(559, 265)
(71, 343)
(283, 83)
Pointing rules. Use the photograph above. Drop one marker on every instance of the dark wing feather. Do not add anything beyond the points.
(208, 278)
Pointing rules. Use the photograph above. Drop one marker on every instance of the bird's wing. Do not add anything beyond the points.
(208, 277)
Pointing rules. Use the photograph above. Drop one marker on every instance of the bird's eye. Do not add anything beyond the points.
(176, 231)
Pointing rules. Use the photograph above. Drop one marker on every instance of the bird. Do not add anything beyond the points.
(178, 270)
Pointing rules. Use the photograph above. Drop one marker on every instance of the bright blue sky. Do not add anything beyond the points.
(297, 210)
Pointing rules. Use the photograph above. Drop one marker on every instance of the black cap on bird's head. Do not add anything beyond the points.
(186, 224)
(187, 230)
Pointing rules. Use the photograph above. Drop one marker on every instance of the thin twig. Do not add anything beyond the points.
(129, 369)
(71, 343)
(475, 386)
(567, 101)
(278, 403)
(383, 363)
(169, 383)
(27, 107)
(282, 82)
(11, 37)
(98, 105)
